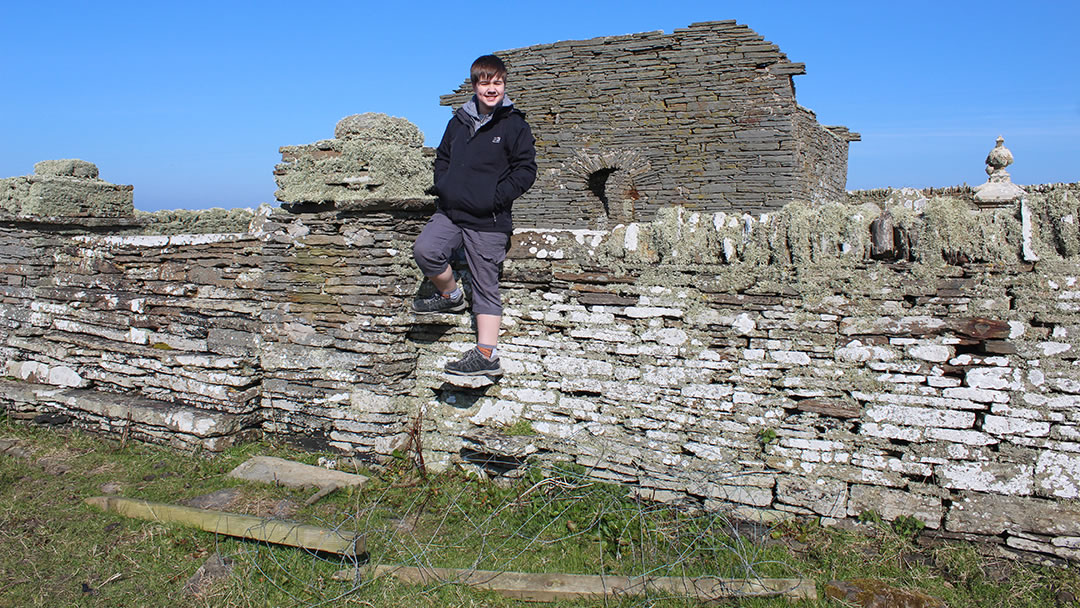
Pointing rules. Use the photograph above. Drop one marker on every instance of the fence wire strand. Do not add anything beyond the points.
(547, 510)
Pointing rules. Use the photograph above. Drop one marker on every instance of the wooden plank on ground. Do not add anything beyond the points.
(341, 542)
(550, 587)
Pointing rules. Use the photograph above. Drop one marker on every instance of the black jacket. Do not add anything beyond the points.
(478, 175)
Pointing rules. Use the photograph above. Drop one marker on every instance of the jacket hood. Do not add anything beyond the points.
(473, 111)
(469, 113)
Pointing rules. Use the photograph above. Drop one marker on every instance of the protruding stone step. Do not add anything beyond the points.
(163, 422)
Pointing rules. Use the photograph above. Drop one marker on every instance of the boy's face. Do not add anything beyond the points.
(489, 92)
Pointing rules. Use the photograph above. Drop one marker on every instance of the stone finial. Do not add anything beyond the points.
(998, 189)
(999, 158)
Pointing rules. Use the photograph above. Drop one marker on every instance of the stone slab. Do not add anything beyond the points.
(219, 500)
(826, 497)
(268, 469)
(876, 594)
(210, 429)
(891, 504)
(989, 514)
(214, 569)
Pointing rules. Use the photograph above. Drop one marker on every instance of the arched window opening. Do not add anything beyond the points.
(597, 183)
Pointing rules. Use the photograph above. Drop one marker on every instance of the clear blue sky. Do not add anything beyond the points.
(189, 101)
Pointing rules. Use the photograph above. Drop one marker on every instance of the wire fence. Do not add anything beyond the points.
(547, 517)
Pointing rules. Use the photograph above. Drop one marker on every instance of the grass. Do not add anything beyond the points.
(55, 550)
(520, 427)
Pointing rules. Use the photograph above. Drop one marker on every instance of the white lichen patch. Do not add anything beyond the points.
(1058, 474)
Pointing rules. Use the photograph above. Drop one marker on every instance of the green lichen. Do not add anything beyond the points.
(53, 196)
(67, 167)
(209, 221)
(1056, 219)
(13, 191)
(678, 235)
(815, 234)
(814, 249)
(373, 126)
(952, 231)
(800, 234)
(374, 157)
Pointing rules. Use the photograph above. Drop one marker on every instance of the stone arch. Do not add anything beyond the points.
(609, 179)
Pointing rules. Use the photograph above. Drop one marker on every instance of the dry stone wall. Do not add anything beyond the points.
(704, 117)
(730, 361)
(218, 327)
(146, 316)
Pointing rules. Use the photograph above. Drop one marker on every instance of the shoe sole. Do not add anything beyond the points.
(486, 372)
(458, 308)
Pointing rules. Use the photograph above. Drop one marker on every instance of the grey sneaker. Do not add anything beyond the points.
(474, 364)
(438, 303)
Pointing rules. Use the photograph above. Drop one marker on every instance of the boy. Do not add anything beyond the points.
(487, 158)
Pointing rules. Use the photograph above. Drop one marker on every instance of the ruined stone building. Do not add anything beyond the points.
(763, 364)
(704, 117)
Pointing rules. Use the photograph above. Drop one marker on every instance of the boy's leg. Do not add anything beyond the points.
(487, 330)
(485, 252)
(432, 251)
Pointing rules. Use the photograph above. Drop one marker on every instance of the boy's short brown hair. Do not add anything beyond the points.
(487, 67)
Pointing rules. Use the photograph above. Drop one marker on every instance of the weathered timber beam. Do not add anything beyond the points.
(549, 587)
(234, 524)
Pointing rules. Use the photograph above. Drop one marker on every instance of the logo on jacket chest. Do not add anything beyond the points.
(496, 139)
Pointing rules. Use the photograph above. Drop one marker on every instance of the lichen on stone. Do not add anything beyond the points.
(808, 247)
(800, 234)
(67, 167)
(13, 191)
(373, 157)
(209, 221)
(950, 230)
(1056, 219)
(65, 188)
(814, 234)
(372, 126)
